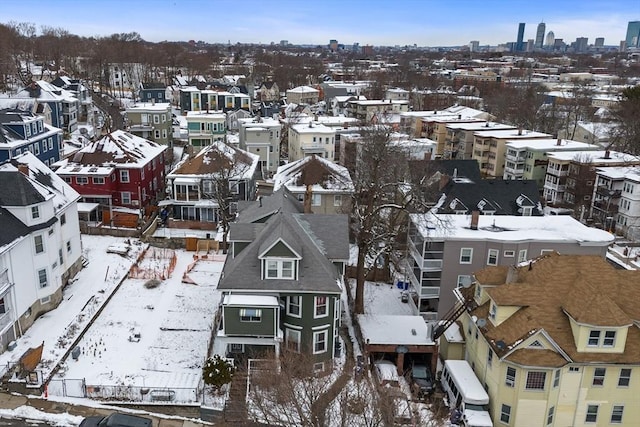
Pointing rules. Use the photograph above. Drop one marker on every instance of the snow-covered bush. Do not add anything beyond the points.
(217, 371)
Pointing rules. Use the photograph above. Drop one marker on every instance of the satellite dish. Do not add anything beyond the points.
(466, 281)
(481, 323)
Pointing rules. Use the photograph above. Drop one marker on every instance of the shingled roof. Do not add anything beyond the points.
(550, 290)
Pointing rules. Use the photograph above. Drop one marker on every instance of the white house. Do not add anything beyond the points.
(40, 247)
(311, 138)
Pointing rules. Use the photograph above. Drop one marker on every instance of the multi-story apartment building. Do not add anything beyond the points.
(23, 131)
(194, 99)
(311, 138)
(365, 110)
(460, 137)
(120, 170)
(40, 247)
(261, 136)
(554, 341)
(63, 104)
(303, 95)
(628, 220)
(206, 127)
(153, 92)
(397, 93)
(607, 190)
(445, 250)
(527, 159)
(80, 91)
(151, 121)
(489, 148)
(571, 175)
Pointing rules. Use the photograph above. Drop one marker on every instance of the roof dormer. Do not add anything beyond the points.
(279, 260)
(500, 313)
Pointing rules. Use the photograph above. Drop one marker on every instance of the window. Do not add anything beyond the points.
(50, 140)
(316, 200)
(98, 180)
(321, 309)
(35, 212)
(522, 255)
(156, 134)
(164, 133)
(574, 369)
(466, 255)
(156, 119)
(535, 380)
(292, 340)
(509, 254)
(492, 257)
(598, 376)
(37, 148)
(124, 176)
(594, 338)
(3, 308)
(320, 342)
(293, 306)
(68, 245)
(493, 311)
(625, 377)
(279, 269)
(616, 414)
(63, 219)
(510, 379)
(609, 338)
(592, 414)
(42, 278)
(250, 315)
(550, 415)
(490, 358)
(126, 198)
(44, 146)
(39, 243)
(82, 180)
(556, 378)
(337, 200)
(60, 257)
(505, 413)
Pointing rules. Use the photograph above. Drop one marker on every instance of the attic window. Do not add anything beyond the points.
(536, 344)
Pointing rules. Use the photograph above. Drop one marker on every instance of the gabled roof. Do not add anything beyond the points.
(11, 228)
(316, 273)
(237, 163)
(19, 190)
(118, 147)
(322, 174)
(554, 288)
(280, 201)
(468, 169)
(501, 197)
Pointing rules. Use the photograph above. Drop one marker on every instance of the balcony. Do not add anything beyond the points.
(5, 319)
(515, 159)
(559, 188)
(514, 170)
(188, 196)
(557, 172)
(608, 192)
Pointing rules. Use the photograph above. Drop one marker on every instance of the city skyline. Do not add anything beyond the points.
(407, 22)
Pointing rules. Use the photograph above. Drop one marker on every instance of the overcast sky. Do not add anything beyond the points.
(375, 22)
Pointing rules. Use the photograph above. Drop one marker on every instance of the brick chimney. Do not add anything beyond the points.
(23, 168)
(475, 217)
(444, 180)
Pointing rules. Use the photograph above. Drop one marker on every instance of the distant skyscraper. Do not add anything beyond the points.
(599, 42)
(550, 39)
(474, 45)
(581, 44)
(633, 34)
(540, 35)
(529, 46)
(520, 39)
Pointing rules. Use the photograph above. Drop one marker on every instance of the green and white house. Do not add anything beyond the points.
(282, 281)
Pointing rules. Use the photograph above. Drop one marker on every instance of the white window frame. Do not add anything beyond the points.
(290, 303)
(82, 180)
(337, 200)
(316, 199)
(98, 180)
(35, 212)
(599, 376)
(550, 415)
(316, 340)
(279, 268)
(317, 305)
(509, 254)
(522, 255)
(624, 378)
(36, 245)
(125, 197)
(463, 257)
(510, 380)
(505, 415)
(42, 274)
(617, 410)
(251, 315)
(124, 175)
(461, 278)
(591, 414)
(497, 255)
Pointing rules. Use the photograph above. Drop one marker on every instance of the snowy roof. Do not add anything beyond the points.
(511, 134)
(551, 144)
(367, 102)
(314, 128)
(149, 106)
(324, 176)
(240, 164)
(479, 126)
(390, 329)
(453, 333)
(118, 147)
(251, 300)
(303, 89)
(555, 228)
(618, 172)
(594, 156)
(192, 115)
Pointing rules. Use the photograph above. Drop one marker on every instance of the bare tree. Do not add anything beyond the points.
(627, 133)
(383, 196)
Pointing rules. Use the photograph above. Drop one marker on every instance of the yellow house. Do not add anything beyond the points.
(556, 342)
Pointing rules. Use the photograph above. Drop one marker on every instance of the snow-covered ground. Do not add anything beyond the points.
(173, 321)
(30, 413)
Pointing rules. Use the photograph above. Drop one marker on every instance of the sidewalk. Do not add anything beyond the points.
(11, 401)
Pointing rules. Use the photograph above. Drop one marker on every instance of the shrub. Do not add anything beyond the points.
(217, 372)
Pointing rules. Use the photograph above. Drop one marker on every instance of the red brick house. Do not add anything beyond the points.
(120, 178)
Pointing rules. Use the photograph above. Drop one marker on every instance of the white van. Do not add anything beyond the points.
(465, 393)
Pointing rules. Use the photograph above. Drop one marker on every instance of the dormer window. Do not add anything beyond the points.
(279, 269)
(493, 311)
(599, 339)
(35, 212)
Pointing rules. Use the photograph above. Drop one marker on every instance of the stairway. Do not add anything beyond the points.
(235, 408)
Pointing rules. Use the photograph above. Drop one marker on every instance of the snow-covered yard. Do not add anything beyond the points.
(148, 343)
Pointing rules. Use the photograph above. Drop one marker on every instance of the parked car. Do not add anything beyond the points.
(421, 379)
(387, 373)
(116, 420)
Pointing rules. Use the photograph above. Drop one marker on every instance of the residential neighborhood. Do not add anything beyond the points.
(251, 234)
